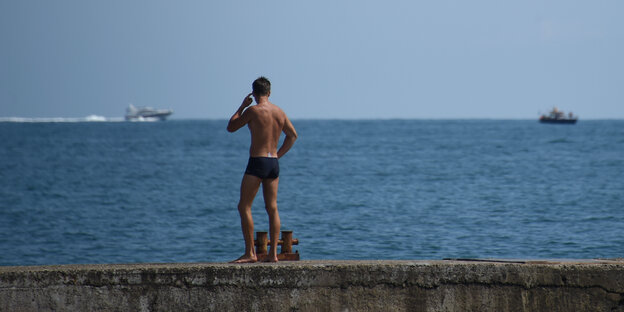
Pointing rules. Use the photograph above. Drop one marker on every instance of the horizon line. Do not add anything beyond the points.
(122, 119)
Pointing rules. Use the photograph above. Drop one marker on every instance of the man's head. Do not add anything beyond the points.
(261, 87)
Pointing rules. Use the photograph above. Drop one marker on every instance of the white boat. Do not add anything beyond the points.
(146, 113)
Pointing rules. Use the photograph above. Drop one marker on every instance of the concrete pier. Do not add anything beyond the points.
(453, 285)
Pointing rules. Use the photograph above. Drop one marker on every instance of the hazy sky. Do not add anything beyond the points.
(325, 59)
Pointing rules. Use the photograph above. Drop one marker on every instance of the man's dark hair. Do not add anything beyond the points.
(261, 86)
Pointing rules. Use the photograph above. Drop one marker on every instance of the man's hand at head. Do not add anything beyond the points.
(239, 119)
(247, 101)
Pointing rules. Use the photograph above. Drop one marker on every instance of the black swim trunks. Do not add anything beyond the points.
(263, 167)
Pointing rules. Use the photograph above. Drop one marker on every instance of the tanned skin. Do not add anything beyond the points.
(266, 122)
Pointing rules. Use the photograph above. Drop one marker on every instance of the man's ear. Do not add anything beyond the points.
(269, 94)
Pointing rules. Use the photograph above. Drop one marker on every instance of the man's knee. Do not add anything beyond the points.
(244, 207)
(271, 207)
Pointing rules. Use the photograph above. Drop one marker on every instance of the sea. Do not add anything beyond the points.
(98, 191)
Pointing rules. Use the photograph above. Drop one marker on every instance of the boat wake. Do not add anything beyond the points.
(90, 118)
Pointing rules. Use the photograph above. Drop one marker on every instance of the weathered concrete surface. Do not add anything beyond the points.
(589, 285)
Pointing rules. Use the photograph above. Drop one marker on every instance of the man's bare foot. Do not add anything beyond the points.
(270, 259)
(245, 259)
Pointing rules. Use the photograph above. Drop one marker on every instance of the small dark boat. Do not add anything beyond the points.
(558, 117)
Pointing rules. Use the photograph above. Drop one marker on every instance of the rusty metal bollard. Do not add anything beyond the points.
(262, 242)
(287, 241)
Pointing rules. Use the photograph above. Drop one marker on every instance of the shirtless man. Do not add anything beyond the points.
(266, 122)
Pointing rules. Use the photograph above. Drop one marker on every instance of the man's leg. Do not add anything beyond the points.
(249, 189)
(269, 192)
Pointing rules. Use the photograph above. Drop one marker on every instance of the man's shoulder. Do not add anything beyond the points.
(276, 108)
(251, 110)
(267, 108)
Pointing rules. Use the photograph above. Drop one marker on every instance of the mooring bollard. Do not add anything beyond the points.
(261, 242)
(286, 242)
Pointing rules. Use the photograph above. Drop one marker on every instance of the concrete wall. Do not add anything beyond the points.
(318, 286)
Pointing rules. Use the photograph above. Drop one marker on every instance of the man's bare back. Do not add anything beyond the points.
(266, 122)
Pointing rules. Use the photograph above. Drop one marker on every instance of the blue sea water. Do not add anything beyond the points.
(120, 192)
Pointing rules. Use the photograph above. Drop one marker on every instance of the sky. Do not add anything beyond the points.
(326, 59)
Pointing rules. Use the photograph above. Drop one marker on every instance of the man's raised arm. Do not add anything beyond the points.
(239, 119)
(289, 140)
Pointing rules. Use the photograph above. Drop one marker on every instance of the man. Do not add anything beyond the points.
(266, 122)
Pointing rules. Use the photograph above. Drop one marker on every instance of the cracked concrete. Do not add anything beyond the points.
(437, 285)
